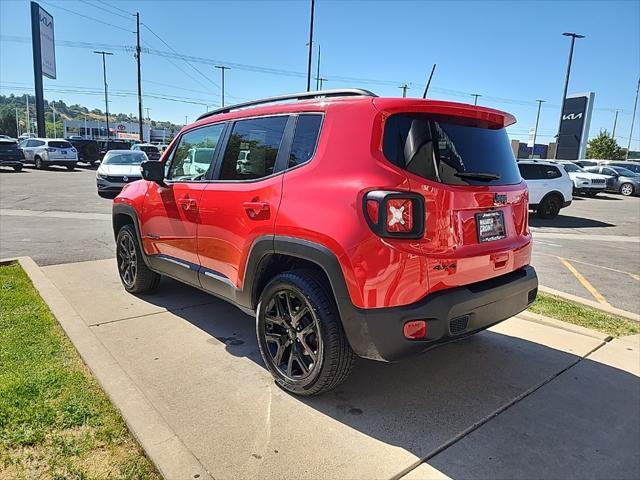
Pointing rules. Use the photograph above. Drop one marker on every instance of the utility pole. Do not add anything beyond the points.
(313, 6)
(185, 120)
(17, 124)
(615, 123)
(426, 89)
(106, 95)
(222, 69)
(138, 51)
(535, 130)
(635, 105)
(318, 70)
(566, 85)
(321, 80)
(85, 125)
(28, 120)
(475, 98)
(149, 122)
(404, 88)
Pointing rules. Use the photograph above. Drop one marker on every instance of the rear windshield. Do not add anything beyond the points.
(450, 150)
(149, 149)
(8, 145)
(60, 144)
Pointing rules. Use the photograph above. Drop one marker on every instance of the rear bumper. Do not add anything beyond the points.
(450, 314)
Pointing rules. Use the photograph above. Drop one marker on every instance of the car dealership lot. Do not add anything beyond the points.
(56, 217)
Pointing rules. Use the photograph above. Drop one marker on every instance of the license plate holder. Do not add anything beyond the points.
(490, 226)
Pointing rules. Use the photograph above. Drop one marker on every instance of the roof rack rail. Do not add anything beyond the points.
(346, 92)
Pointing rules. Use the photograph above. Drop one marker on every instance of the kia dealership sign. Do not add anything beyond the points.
(574, 126)
(47, 44)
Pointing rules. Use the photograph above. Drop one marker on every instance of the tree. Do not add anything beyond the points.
(605, 147)
(8, 122)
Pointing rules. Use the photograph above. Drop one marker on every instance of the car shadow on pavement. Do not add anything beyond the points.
(583, 424)
(566, 221)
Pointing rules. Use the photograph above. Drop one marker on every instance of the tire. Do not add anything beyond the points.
(135, 276)
(18, 168)
(285, 347)
(40, 164)
(626, 189)
(549, 207)
(71, 167)
(592, 194)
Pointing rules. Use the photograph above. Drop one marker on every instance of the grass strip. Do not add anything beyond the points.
(583, 316)
(55, 420)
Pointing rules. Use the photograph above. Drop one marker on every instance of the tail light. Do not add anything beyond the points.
(51, 149)
(395, 214)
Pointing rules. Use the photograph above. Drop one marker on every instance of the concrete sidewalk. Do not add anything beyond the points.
(521, 400)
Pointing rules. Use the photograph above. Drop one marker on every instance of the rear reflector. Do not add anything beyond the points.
(415, 329)
(399, 215)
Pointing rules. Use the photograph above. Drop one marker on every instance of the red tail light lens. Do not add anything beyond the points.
(399, 215)
(395, 214)
(415, 329)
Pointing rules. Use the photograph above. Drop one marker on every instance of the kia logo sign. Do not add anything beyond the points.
(572, 116)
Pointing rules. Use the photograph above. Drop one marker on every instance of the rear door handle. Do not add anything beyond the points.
(188, 204)
(256, 207)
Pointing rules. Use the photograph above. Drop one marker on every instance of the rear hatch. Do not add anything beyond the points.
(9, 150)
(152, 152)
(61, 150)
(476, 204)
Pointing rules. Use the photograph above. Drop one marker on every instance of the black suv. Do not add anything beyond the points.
(88, 150)
(10, 154)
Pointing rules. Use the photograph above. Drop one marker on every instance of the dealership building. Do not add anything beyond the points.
(122, 130)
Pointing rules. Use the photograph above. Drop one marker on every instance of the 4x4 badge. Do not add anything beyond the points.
(500, 198)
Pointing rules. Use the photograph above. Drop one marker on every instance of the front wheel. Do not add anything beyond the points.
(40, 165)
(300, 334)
(17, 168)
(135, 276)
(71, 167)
(626, 189)
(549, 207)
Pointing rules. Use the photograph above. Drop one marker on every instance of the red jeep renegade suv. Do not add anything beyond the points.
(348, 224)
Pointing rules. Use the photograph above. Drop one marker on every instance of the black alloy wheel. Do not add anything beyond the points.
(549, 208)
(127, 260)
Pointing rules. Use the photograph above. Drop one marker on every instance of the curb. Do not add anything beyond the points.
(590, 303)
(163, 447)
(569, 327)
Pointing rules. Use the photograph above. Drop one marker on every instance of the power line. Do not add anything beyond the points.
(102, 22)
(105, 10)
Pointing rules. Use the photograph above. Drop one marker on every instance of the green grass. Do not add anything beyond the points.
(55, 421)
(583, 316)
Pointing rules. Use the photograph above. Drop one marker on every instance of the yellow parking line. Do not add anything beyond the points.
(585, 283)
(632, 275)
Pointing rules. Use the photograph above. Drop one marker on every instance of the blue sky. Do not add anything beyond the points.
(511, 52)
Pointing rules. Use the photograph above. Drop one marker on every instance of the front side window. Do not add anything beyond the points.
(37, 143)
(450, 150)
(305, 139)
(253, 148)
(192, 157)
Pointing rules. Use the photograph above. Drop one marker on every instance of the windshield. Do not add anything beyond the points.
(59, 144)
(623, 171)
(572, 167)
(450, 150)
(128, 158)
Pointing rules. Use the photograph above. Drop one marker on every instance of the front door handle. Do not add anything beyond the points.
(188, 204)
(256, 207)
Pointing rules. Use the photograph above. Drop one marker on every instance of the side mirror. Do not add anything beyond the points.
(153, 171)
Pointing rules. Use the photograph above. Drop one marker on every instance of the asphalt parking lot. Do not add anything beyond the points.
(591, 250)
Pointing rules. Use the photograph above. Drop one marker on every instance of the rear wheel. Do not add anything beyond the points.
(300, 334)
(136, 277)
(549, 207)
(17, 168)
(40, 164)
(71, 167)
(592, 194)
(626, 189)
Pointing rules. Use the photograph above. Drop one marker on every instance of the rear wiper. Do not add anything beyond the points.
(478, 175)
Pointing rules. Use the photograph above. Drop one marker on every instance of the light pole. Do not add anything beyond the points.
(185, 120)
(222, 69)
(404, 88)
(313, 6)
(475, 98)
(85, 125)
(28, 122)
(53, 109)
(106, 96)
(535, 130)
(566, 85)
(615, 123)
(318, 70)
(17, 124)
(635, 105)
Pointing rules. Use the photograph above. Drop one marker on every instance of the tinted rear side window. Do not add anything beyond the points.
(530, 171)
(450, 149)
(305, 139)
(253, 148)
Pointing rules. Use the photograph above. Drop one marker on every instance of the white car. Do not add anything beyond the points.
(118, 167)
(49, 151)
(584, 182)
(550, 187)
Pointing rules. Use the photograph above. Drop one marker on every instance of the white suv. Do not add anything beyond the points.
(49, 151)
(550, 187)
(584, 182)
